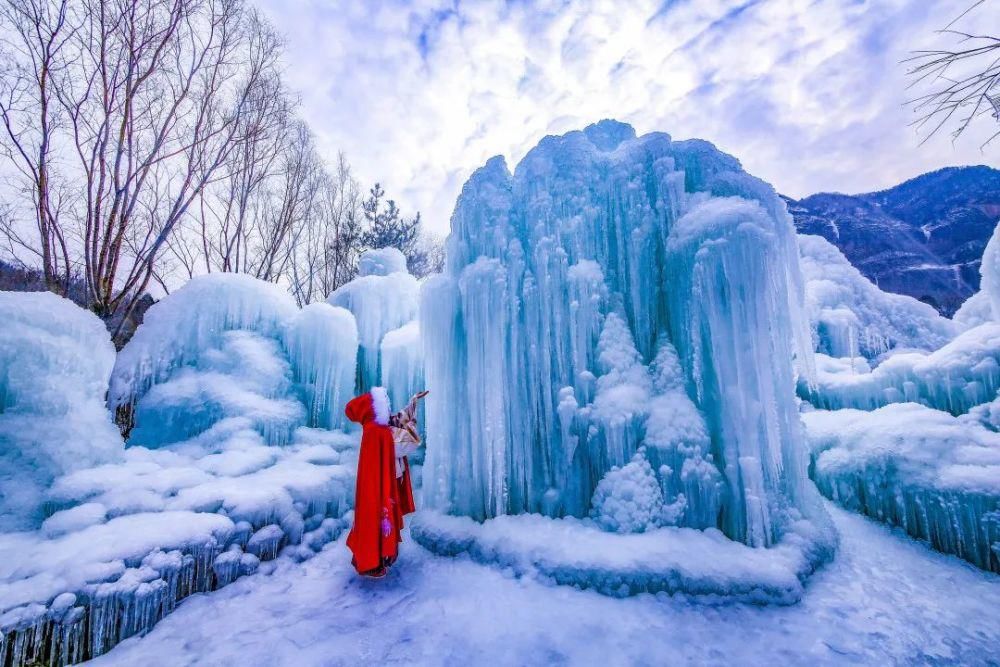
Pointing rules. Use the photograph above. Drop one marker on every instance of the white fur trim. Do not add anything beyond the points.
(380, 403)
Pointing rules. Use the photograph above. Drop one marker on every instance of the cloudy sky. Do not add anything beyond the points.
(808, 94)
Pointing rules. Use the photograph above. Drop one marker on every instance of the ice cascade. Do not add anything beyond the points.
(565, 282)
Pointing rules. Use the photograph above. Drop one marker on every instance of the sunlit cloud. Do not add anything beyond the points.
(807, 94)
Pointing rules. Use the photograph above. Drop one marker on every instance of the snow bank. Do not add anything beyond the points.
(852, 317)
(383, 297)
(701, 564)
(128, 540)
(564, 282)
(935, 475)
(55, 361)
(958, 376)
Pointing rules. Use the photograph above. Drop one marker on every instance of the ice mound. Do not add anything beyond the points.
(852, 317)
(55, 361)
(703, 565)
(381, 262)
(179, 327)
(935, 475)
(976, 310)
(382, 298)
(229, 346)
(565, 282)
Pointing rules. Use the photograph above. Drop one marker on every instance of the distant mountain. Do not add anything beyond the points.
(924, 237)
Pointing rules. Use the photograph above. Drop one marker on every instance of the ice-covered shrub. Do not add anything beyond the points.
(55, 361)
(628, 499)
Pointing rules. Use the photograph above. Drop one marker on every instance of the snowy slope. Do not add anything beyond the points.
(884, 600)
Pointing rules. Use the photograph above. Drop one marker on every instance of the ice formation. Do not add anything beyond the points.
(629, 499)
(564, 282)
(851, 317)
(55, 361)
(908, 426)
(232, 392)
(955, 378)
(321, 343)
(230, 346)
(935, 475)
(402, 356)
(990, 272)
(382, 298)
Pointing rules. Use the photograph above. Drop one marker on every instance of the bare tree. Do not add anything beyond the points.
(327, 249)
(964, 81)
(145, 101)
(36, 35)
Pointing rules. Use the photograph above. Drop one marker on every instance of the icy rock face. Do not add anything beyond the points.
(55, 361)
(564, 281)
(383, 297)
(851, 317)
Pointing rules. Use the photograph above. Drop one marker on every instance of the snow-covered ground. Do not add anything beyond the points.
(884, 600)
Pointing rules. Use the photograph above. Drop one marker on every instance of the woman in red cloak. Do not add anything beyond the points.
(380, 499)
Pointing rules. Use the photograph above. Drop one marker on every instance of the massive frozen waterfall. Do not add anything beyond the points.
(615, 292)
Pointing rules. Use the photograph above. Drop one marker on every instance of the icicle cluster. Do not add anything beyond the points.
(564, 281)
(383, 297)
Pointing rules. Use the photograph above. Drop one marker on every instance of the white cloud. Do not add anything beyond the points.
(808, 94)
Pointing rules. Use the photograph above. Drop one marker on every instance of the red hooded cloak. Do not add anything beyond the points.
(380, 499)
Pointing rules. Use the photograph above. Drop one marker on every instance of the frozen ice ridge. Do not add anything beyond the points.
(616, 292)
